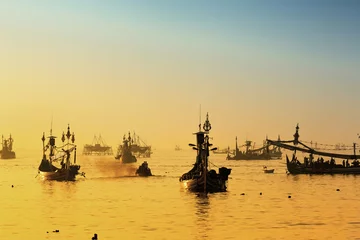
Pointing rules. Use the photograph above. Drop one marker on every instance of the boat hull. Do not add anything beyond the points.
(128, 159)
(58, 175)
(215, 182)
(295, 168)
(212, 185)
(7, 155)
(249, 157)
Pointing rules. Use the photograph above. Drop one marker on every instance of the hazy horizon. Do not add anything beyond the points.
(108, 67)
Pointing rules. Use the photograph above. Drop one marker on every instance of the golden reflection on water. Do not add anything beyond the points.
(113, 203)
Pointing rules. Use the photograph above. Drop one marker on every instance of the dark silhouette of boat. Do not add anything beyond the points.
(137, 146)
(143, 170)
(318, 166)
(67, 169)
(6, 152)
(126, 155)
(250, 153)
(200, 178)
(98, 147)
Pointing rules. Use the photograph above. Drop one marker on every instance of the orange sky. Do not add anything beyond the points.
(111, 73)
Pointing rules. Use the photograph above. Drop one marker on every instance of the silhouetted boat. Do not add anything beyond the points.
(249, 153)
(200, 178)
(125, 155)
(143, 170)
(319, 166)
(6, 152)
(68, 170)
(138, 147)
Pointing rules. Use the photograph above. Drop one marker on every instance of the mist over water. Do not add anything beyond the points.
(115, 168)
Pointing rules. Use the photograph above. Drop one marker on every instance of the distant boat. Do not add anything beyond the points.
(200, 178)
(98, 147)
(319, 166)
(126, 155)
(6, 152)
(138, 147)
(250, 153)
(68, 170)
(177, 148)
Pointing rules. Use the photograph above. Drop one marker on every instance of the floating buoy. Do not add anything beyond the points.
(337, 189)
(242, 194)
(12, 185)
(260, 193)
(289, 196)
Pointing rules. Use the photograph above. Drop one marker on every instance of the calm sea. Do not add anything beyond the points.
(116, 205)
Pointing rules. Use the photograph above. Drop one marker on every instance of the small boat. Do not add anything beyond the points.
(319, 166)
(126, 155)
(68, 170)
(144, 170)
(200, 178)
(266, 170)
(6, 152)
(177, 148)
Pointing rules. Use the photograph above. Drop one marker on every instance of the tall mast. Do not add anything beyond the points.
(43, 141)
(207, 128)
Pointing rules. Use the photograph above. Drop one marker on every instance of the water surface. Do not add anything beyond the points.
(113, 203)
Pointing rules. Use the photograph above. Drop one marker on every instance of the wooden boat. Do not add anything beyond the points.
(266, 170)
(6, 152)
(144, 170)
(249, 153)
(200, 178)
(125, 155)
(319, 166)
(68, 170)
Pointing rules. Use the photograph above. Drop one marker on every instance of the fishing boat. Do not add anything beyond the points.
(143, 170)
(249, 153)
(66, 169)
(200, 178)
(137, 146)
(6, 152)
(126, 155)
(318, 166)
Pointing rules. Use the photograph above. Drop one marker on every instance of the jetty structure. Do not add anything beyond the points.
(97, 147)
